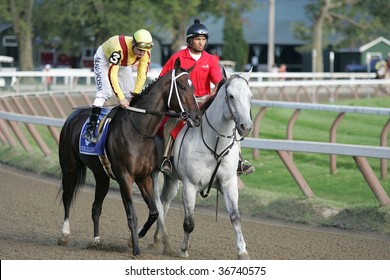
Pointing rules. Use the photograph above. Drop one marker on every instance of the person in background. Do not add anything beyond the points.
(47, 79)
(113, 72)
(381, 69)
(205, 72)
(283, 69)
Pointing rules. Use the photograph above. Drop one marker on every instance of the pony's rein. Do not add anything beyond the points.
(226, 151)
(183, 114)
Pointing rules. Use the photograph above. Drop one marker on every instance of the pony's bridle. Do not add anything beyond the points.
(183, 114)
(219, 157)
(233, 136)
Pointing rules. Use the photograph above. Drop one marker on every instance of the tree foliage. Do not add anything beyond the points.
(72, 24)
(235, 47)
(346, 23)
(19, 13)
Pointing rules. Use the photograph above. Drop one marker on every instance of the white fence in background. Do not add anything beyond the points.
(297, 87)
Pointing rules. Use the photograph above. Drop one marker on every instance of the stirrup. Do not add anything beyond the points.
(166, 166)
(89, 136)
(245, 167)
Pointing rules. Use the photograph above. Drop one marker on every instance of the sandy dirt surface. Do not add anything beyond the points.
(31, 217)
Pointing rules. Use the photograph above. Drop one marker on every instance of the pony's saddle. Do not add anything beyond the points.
(89, 148)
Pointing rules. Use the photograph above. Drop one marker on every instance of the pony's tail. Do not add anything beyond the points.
(72, 183)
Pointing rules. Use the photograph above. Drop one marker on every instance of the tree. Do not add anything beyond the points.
(178, 15)
(235, 47)
(19, 13)
(88, 22)
(74, 23)
(353, 22)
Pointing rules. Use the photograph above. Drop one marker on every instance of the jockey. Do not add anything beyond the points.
(113, 72)
(206, 71)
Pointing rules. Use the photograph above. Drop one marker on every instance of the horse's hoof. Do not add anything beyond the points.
(96, 240)
(168, 251)
(182, 254)
(63, 240)
(244, 256)
(154, 245)
(136, 252)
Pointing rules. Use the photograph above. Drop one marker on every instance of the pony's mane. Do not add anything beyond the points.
(206, 104)
(145, 90)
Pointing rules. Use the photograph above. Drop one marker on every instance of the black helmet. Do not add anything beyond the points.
(197, 29)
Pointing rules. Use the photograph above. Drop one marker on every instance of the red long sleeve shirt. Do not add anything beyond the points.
(206, 70)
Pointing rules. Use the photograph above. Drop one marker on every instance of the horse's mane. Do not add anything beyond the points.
(206, 104)
(145, 91)
(149, 87)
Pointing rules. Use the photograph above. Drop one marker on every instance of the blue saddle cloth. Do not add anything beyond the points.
(89, 148)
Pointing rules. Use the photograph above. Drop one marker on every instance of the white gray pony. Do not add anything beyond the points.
(207, 156)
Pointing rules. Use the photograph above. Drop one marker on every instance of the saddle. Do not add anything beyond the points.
(97, 149)
(174, 132)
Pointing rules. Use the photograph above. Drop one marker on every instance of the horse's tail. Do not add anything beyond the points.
(71, 184)
(73, 169)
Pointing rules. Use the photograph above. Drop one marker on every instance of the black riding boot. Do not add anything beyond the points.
(93, 118)
(166, 165)
(244, 167)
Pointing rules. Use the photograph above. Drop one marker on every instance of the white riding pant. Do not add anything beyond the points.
(103, 86)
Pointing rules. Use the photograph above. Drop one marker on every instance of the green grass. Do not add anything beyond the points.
(341, 200)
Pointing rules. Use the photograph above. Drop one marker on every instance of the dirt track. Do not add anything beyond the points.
(31, 218)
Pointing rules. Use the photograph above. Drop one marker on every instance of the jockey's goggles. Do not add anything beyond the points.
(144, 46)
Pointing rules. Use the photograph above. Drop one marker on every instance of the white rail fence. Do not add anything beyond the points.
(13, 113)
(308, 87)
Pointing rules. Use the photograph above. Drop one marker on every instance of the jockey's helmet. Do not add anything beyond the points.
(197, 29)
(143, 40)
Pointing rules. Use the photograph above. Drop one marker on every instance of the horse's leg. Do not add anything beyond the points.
(160, 220)
(189, 199)
(72, 177)
(169, 191)
(126, 188)
(146, 188)
(230, 194)
(102, 186)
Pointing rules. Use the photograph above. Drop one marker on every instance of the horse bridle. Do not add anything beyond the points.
(220, 135)
(233, 136)
(183, 114)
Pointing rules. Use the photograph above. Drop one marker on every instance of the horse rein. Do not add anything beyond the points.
(219, 157)
(183, 114)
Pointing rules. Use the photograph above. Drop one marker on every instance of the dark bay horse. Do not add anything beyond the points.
(129, 147)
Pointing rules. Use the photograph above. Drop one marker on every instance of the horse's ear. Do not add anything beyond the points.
(225, 73)
(247, 76)
(177, 64)
(189, 70)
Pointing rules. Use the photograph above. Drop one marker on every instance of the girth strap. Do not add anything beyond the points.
(202, 193)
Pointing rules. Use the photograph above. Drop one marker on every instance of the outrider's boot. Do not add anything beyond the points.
(244, 167)
(166, 165)
(91, 126)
